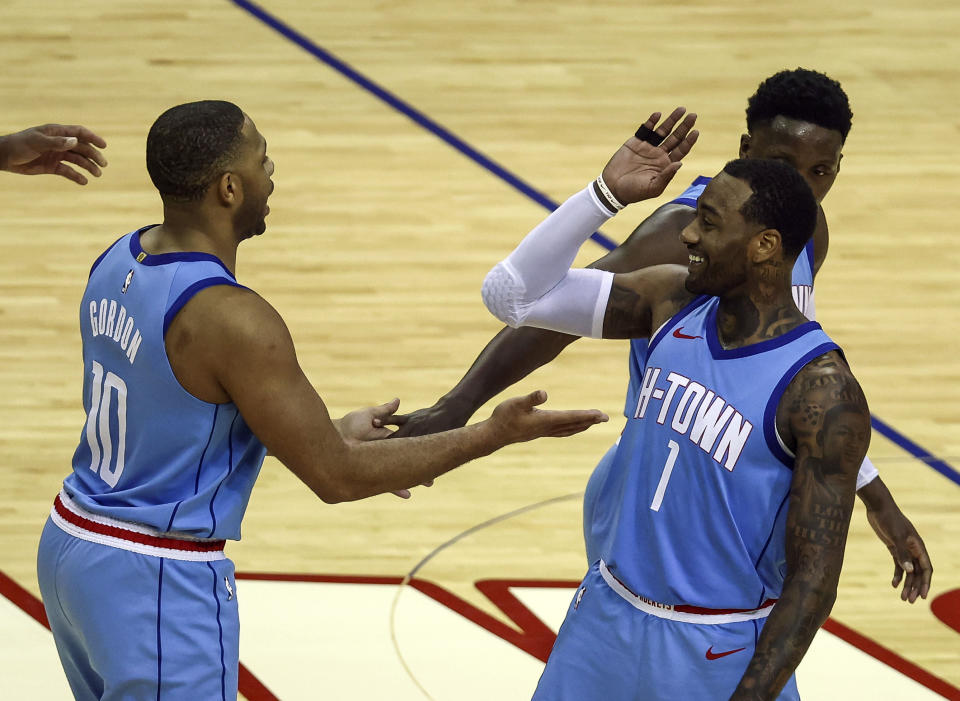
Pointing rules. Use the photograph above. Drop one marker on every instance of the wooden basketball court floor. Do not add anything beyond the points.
(383, 225)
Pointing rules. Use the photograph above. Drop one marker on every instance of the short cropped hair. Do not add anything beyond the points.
(801, 94)
(191, 145)
(781, 200)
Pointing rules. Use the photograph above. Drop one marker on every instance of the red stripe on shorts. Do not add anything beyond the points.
(141, 538)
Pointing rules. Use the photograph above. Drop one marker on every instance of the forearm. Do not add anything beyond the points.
(875, 495)
(535, 286)
(376, 467)
(803, 607)
(508, 358)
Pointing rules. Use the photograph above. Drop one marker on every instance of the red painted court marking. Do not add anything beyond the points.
(946, 607)
(531, 635)
(892, 659)
(535, 638)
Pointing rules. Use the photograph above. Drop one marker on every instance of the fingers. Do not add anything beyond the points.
(535, 398)
(383, 415)
(385, 410)
(78, 131)
(69, 173)
(926, 568)
(897, 574)
(918, 568)
(402, 493)
(568, 423)
(664, 129)
(89, 152)
(82, 161)
(393, 420)
(651, 122)
(681, 139)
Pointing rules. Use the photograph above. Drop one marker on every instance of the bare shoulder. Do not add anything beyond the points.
(825, 398)
(221, 330)
(643, 299)
(238, 311)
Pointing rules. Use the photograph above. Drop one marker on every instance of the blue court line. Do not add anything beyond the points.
(456, 142)
(405, 108)
(915, 450)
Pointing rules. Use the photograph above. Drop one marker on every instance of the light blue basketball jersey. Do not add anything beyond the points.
(699, 482)
(150, 452)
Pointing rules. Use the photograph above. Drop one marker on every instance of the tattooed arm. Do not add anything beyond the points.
(823, 416)
(641, 301)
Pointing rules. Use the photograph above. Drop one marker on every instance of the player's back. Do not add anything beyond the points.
(150, 452)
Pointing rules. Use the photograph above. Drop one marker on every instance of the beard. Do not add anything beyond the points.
(251, 220)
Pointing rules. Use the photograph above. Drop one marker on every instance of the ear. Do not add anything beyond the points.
(229, 189)
(765, 245)
(744, 145)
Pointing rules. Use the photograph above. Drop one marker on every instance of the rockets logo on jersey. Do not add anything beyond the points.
(697, 412)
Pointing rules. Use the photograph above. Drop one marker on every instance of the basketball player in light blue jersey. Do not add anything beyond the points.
(800, 117)
(189, 378)
(737, 469)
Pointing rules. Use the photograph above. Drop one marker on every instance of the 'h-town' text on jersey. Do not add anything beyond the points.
(699, 481)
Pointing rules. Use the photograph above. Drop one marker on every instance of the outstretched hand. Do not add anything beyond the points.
(641, 169)
(520, 420)
(46, 150)
(369, 424)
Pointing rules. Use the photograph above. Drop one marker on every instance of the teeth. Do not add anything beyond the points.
(696, 259)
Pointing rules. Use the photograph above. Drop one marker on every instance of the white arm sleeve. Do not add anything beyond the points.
(868, 473)
(534, 285)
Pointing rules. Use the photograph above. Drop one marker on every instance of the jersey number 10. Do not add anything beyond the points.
(98, 424)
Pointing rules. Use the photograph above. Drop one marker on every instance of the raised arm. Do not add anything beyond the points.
(824, 416)
(535, 285)
(514, 353)
(247, 356)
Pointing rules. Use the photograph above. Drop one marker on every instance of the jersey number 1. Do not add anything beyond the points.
(98, 424)
(665, 475)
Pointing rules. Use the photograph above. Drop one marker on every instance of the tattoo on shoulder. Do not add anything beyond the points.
(830, 421)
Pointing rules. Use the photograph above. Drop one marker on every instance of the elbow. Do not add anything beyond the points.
(328, 495)
(331, 488)
(827, 600)
(501, 296)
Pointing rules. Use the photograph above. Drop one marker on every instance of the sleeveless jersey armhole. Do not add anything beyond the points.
(188, 294)
(771, 434)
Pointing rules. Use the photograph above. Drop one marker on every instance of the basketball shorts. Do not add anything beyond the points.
(129, 625)
(608, 650)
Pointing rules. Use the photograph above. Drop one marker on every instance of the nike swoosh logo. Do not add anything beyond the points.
(677, 334)
(711, 655)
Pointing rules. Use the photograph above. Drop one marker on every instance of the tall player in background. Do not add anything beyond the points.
(738, 465)
(800, 117)
(189, 378)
